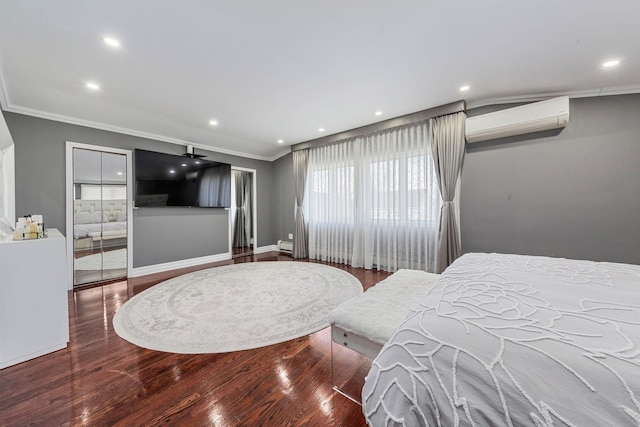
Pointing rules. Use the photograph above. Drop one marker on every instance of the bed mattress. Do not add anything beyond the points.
(515, 340)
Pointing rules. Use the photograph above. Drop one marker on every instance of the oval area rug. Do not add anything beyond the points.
(235, 307)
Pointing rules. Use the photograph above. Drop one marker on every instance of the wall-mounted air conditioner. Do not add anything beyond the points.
(535, 117)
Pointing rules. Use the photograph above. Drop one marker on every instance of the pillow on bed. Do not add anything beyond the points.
(91, 217)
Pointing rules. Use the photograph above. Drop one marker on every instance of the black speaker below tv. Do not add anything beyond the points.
(173, 180)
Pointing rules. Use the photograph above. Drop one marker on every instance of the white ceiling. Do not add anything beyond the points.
(281, 69)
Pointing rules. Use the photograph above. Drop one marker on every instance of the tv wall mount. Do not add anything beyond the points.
(191, 153)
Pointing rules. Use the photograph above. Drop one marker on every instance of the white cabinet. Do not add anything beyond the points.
(34, 311)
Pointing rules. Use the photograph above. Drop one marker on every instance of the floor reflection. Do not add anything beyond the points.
(100, 379)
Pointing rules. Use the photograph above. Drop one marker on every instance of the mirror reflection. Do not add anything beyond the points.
(99, 216)
(242, 212)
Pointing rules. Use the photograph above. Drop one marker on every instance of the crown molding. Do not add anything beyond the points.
(403, 120)
(281, 154)
(586, 93)
(125, 131)
(470, 104)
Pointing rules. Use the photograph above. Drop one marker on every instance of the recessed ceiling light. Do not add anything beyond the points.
(213, 122)
(611, 63)
(280, 141)
(464, 88)
(172, 171)
(184, 164)
(119, 173)
(378, 113)
(92, 86)
(111, 41)
(320, 129)
(197, 162)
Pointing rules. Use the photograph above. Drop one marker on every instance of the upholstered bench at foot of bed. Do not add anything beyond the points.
(108, 238)
(365, 323)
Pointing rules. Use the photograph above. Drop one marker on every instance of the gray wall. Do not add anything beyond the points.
(573, 194)
(160, 234)
(284, 198)
(171, 234)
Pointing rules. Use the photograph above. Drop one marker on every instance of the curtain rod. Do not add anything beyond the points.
(418, 116)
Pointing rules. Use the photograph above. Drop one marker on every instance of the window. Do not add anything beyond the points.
(333, 186)
(103, 192)
(374, 201)
(403, 190)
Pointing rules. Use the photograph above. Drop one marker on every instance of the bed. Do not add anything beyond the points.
(96, 221)
(510, 340)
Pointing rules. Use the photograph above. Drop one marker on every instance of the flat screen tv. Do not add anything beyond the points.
(172, 180)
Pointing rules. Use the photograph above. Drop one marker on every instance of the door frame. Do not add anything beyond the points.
(254, 200)
(69, 202)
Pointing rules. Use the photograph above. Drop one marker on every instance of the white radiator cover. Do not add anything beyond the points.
(535, 117)
(285, 246)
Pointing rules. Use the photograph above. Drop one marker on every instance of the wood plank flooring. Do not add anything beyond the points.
(103, 380)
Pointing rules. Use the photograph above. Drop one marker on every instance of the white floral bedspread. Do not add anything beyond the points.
(510, 340)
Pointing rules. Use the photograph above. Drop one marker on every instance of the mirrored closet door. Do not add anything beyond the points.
(99, 216)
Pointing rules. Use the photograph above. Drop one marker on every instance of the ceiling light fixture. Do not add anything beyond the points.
(92, 86)
(611, 63)
(464, 88)
(280, 141)
(172, 171)
(213, 122)
(378, 113)
(111, 41)
(320, 129)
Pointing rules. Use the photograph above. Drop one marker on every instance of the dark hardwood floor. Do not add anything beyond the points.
(103, 380)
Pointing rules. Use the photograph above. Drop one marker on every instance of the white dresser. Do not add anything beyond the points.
(34, 318)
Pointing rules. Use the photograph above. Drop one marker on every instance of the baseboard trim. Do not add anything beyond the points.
(192, 262)
(167, 266)
(263, 249)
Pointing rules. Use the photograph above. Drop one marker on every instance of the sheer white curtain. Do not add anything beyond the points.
(373, 201)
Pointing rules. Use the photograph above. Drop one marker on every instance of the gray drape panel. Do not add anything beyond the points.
(248, 207)
(243, 223)
(447, 146)
(213, 187)
(300, 237)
